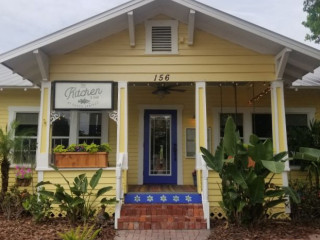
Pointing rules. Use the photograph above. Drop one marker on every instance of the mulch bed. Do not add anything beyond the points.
(266, 231)
(25, 229)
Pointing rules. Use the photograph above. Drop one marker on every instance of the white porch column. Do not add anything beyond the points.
(201, 141)
(279, 129)
(43, 139)
(122, 130)
(122, 147)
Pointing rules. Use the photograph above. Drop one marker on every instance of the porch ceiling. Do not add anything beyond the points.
(301, 60)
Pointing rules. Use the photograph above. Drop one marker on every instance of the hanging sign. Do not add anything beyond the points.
(83, 95)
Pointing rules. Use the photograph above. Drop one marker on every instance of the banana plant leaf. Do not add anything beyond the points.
(274, 167)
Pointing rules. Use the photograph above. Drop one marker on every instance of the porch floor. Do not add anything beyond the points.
(162, 188)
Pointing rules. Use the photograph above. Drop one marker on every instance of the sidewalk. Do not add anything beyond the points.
(162, 234)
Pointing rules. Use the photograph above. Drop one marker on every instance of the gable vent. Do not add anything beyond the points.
(161, 39)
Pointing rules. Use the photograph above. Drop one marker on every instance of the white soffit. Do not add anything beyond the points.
(309, 80)
(10, 79)
(207, 19)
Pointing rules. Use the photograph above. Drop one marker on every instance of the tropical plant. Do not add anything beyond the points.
(7, 144)
(80, 202)
(247, 171)
(312, 157)
(39, 206)
(79, 233)
(91, 148)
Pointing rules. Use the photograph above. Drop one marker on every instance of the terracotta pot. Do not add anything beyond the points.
(81, 160)
(23, 182)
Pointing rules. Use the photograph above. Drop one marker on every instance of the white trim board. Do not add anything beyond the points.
(179, 139)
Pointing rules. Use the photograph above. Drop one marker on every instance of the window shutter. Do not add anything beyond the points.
(161, 39)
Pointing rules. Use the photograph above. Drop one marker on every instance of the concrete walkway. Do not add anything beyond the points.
(162, 234)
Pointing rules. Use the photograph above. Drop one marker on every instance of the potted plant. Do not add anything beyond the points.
(23, 176)
(82, 155)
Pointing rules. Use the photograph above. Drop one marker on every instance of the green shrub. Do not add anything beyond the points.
(91, 148)
(247, 194)
(80, 201)
(79, 233)
(39, 206)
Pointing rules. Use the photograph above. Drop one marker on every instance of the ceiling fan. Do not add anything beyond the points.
(163, 89)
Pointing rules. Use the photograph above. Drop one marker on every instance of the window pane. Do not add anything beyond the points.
(262, 125)
(27, 151)
(90, 140)
(90, 124)
(28, 124)
(238, 119)
(61, 127)
(300, 120)
(190, 142)
(297, 126)
(27, 131)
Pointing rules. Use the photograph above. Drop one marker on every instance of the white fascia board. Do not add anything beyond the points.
(73, 29)
(250, 27)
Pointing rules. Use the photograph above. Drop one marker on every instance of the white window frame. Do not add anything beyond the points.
(174, 35)
(13, 110)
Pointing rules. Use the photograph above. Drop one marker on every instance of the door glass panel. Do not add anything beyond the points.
(160, 145)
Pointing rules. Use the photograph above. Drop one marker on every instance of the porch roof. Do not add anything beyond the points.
(31, 60)
(12, 80)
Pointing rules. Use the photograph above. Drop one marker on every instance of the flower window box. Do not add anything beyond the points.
(82, 156)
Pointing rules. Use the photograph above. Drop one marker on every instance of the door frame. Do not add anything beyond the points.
(178, 108)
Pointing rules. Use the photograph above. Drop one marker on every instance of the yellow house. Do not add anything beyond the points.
(156, 80)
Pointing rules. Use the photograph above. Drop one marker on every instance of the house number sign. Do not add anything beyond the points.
(83, 95)
(161, 77)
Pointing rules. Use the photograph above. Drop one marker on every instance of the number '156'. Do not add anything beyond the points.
(161, 77)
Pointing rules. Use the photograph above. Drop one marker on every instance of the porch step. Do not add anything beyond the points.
(161, 216)
(162, 198)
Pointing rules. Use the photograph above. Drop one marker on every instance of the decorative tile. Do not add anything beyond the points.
(168, 198)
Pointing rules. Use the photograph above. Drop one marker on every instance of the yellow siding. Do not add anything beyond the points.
(16, 98)
(295, 175)
(12, 181)
(210, 59)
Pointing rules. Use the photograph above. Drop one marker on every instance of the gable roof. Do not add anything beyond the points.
(302, 58)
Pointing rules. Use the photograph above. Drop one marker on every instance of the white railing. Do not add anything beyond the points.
(121, 165)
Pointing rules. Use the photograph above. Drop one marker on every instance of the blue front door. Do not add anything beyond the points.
(160, 147)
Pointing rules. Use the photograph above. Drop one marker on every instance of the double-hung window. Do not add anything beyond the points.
(27, 133)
